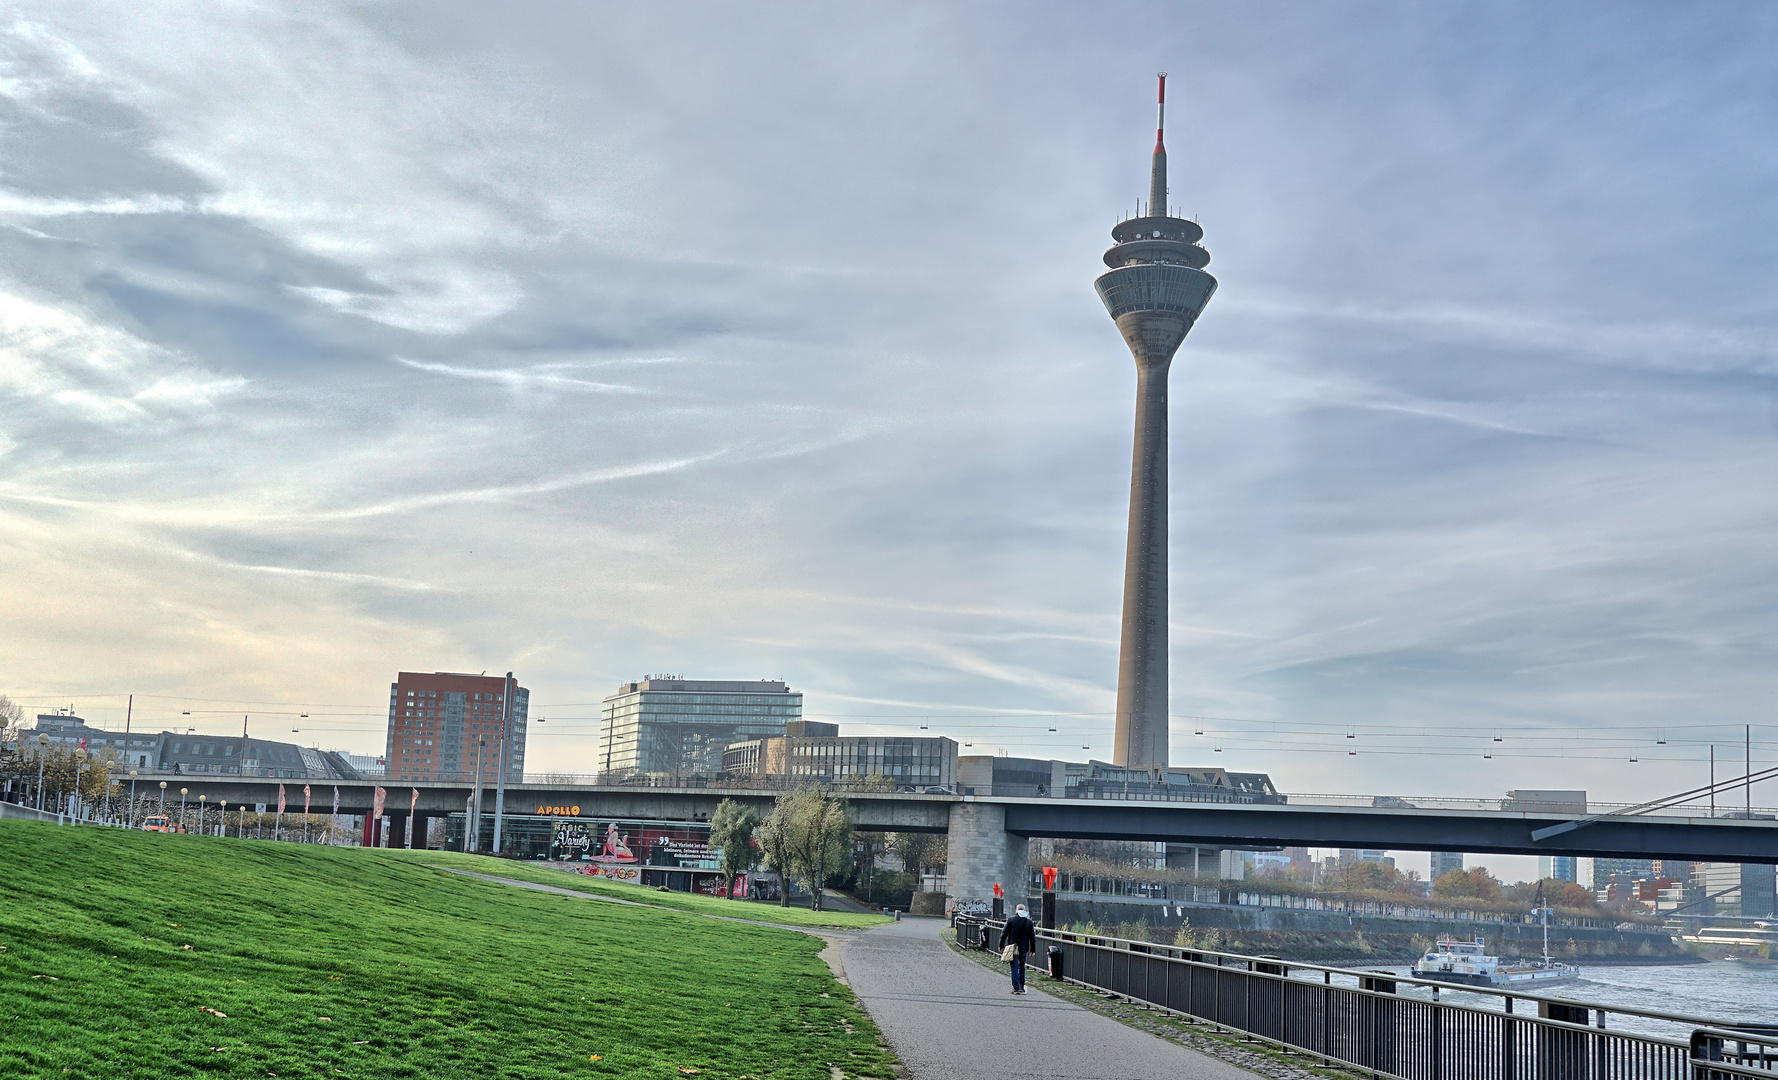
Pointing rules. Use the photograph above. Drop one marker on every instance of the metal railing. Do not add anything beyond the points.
(1365, 1022)
(1726, 1053)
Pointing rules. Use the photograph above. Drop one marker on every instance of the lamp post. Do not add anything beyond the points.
(201, 800)
(182, 792)
(475, 826)
(132, 797)
(42, 751)
(81, 766)
(162, 809)
(223, 817)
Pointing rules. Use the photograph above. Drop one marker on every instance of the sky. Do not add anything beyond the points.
(593, 342)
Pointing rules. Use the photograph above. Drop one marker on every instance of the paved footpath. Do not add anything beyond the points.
(952, 1019)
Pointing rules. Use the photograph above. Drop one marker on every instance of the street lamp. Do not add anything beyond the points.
(132, 797)
(224, 817)
(162, 809)
(201, 800)
(182, 808)
(42, 749)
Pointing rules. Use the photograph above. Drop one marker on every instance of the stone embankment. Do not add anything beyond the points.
(1337, 937)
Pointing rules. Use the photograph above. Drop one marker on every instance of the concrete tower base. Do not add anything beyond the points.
(981, 854)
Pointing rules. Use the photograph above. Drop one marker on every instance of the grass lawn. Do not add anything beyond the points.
(641, 894)
(130, 954)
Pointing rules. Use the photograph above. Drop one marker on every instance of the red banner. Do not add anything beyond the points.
(305, 800)
(280, 798)
(414, 803)
(377, 803)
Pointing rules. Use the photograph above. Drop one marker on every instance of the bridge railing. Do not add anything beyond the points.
(1365, 1021)
(1730, 1053)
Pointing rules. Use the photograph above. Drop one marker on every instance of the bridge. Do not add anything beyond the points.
(987, 834)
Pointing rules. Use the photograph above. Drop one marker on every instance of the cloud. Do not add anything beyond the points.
(62, 360)
(541, 377)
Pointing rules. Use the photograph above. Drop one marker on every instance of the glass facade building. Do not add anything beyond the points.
(910, 763)
(680, 727)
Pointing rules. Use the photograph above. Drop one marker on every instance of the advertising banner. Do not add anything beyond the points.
(633, 843)
(336, 800)
(377, 803)
(413, 803)
(280, 798)
(305, 800)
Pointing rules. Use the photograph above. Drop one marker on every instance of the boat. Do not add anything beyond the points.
(1468, 963)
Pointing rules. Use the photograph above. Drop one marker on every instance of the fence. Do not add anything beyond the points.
(1370, 1026)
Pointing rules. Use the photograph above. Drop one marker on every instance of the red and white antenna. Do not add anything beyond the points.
(1160, 115)
(1157, 179)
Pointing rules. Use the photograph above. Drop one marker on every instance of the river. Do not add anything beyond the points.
(1720, 990)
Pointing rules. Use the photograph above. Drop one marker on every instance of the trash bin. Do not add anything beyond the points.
(1055, 956)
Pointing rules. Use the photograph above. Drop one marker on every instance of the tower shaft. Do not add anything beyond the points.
(1140, 740)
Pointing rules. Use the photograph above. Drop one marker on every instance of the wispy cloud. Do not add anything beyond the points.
(538, 377)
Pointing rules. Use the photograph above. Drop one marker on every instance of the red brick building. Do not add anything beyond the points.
(442, 725)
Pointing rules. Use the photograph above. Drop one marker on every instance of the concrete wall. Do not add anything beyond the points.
(27, 813)
(1231, 917)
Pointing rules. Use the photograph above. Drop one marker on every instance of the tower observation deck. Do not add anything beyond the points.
(1155, 290)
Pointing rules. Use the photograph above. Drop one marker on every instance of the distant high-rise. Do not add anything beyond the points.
(1443, 862)
(681, 726)
(1154, 291)
(1560, 867)
(444, 725)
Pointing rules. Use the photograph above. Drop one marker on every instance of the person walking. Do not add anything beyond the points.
(1019, 939)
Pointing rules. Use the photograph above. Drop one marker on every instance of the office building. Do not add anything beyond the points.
(1443, 862)
(1746, 890)
(1154, 291)
(1606, 871)
(189, 753)
(1560, 867)
(665, 725)
(819, 753)
(448, 726)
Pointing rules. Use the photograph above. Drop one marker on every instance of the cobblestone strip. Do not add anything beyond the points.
(1254, 1056)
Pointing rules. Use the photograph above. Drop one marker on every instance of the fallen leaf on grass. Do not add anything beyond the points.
(360, 1042)
(51, 978)
(219, 1049)
(595, 1057)
(688, 1070)
(329, 1019)
(212, 1012)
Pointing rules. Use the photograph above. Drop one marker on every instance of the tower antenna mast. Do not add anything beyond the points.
(1157, 177)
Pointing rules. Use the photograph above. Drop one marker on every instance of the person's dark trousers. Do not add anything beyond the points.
(1018, 971)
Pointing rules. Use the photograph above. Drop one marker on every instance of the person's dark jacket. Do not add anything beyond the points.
(1022, 932)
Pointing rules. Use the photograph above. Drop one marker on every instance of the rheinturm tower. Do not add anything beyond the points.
(1155, 290)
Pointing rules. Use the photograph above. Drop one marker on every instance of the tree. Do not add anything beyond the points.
(731, 833)
(1458, 884)
(1453, 884)
(807, 836)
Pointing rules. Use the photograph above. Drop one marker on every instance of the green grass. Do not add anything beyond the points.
(642, 894)
(336, 962)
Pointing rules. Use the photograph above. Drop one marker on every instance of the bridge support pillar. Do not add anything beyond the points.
(980, 853)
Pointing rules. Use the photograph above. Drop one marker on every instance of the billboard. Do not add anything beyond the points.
(632, 843)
